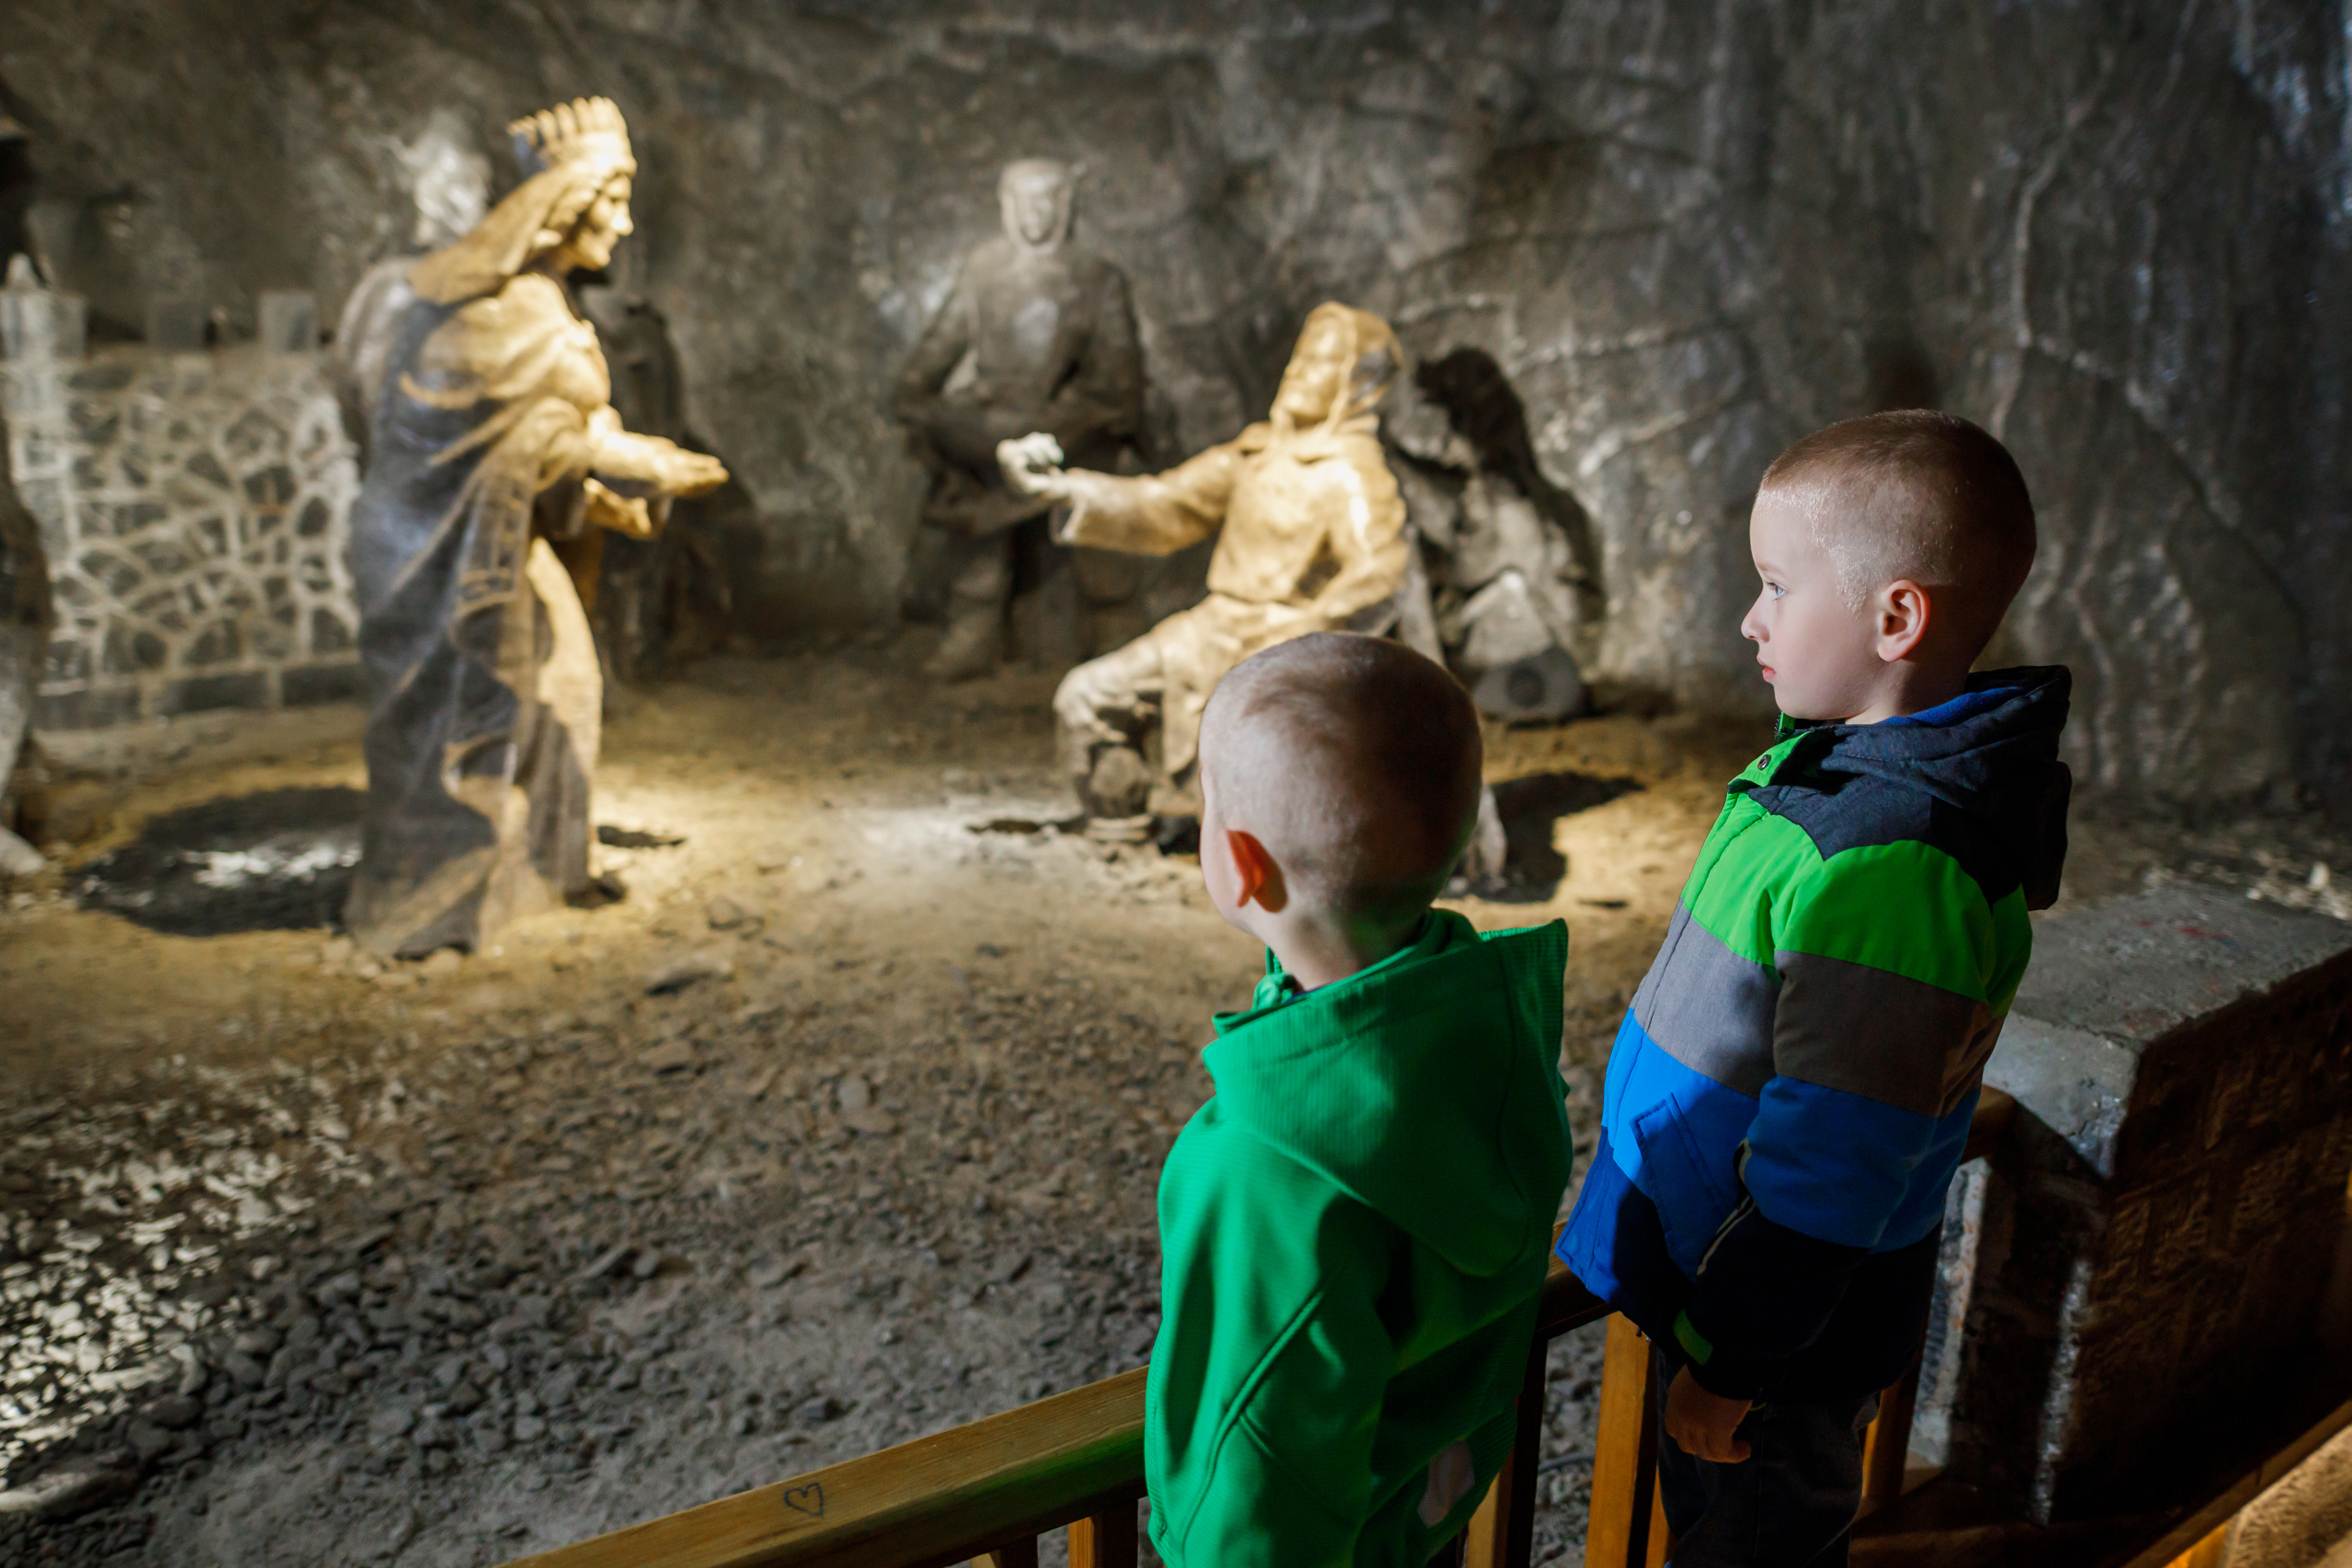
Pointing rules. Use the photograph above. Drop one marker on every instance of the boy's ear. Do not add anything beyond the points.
(1260, 878)
(1903, 610)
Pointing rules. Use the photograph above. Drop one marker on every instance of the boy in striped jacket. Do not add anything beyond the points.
(1789, 1092)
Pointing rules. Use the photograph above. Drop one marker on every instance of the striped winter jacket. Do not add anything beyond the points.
(1789, 1092)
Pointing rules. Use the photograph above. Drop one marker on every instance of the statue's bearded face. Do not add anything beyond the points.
(601, 226)
(1318, 375)
(1036, 207)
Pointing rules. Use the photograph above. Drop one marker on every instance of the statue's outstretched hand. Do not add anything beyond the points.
(1032, 465)
(686, 473)
(633, 464)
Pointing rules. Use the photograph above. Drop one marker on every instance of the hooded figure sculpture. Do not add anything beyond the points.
(1313, 534)
(493, 448)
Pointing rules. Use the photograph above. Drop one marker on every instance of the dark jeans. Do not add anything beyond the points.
(1788, 1505)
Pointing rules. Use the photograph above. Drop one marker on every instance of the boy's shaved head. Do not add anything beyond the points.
(1354, 760)
(1920, 495)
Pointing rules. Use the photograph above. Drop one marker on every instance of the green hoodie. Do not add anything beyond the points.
(1353, 1233)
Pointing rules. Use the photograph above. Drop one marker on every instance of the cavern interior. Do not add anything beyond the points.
(607, 622)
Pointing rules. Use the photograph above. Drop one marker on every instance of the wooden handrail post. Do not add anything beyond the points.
(1014, 1555)
(1886, 1446)
(1483, 1538)
(1502, 1533)
(1107, 1540)
(1619, 1528)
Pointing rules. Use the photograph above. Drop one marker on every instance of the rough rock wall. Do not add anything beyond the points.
(1687, 231)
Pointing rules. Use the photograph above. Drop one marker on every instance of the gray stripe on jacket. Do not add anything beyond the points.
(1882, 1035)
(1709, 1009)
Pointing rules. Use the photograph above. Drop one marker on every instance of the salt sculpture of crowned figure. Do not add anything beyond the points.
(494, 458)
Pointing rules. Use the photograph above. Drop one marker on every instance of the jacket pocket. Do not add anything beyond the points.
(1691, 1200)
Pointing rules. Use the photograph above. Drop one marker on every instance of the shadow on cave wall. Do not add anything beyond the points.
(665, 599)
(1460, 484)
(1486, 409)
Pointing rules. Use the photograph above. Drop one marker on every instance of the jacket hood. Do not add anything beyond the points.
(1991, 752)
(1424, 1087)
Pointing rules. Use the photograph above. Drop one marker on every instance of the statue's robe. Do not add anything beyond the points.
(1311, 532)
(484, 693)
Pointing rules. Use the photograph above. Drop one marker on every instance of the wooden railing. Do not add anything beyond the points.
(986, 1490)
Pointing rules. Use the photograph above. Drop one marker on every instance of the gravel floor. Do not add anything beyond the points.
(370, 1336)
(843, 1127)
(377, 1332)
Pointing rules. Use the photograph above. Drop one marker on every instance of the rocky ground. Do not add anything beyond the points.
(841, 1127)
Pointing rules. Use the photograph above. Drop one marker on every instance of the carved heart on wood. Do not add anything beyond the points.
(808, 1499)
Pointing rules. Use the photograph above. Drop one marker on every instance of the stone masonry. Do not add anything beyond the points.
(2155, 1237)
(194, 510)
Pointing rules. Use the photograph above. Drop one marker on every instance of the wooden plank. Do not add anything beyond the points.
(1948, 1526)
(1886, 1446)
(1020, 1554)
(1484, 1539)
(1661, 1538)
(935, 1501)
(2190, 1532)
(922, 1504)
(1956, 1526)
(2209, 1553)
(1624, 1457)
(1107, 1540)
(1565, 1304)
(2314, 1437)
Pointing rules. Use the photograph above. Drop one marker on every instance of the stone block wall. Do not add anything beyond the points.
(2153, 1241)
(194, 510)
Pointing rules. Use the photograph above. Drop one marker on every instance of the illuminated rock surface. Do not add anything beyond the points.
(1686, 233)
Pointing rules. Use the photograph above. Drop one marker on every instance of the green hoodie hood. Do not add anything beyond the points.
(1448, 1126)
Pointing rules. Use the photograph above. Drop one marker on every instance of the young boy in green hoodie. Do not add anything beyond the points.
(1353, 1230)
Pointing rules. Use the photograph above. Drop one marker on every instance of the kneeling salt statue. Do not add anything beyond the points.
(1313, 534)
(493, 457)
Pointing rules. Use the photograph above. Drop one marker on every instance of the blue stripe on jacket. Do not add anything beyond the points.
(1832, 1164)
(1851, 1170)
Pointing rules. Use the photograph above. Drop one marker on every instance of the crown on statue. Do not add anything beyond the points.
(584, 129)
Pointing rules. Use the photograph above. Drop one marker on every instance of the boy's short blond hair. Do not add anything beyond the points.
(1918, 494)
(1356, 761)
